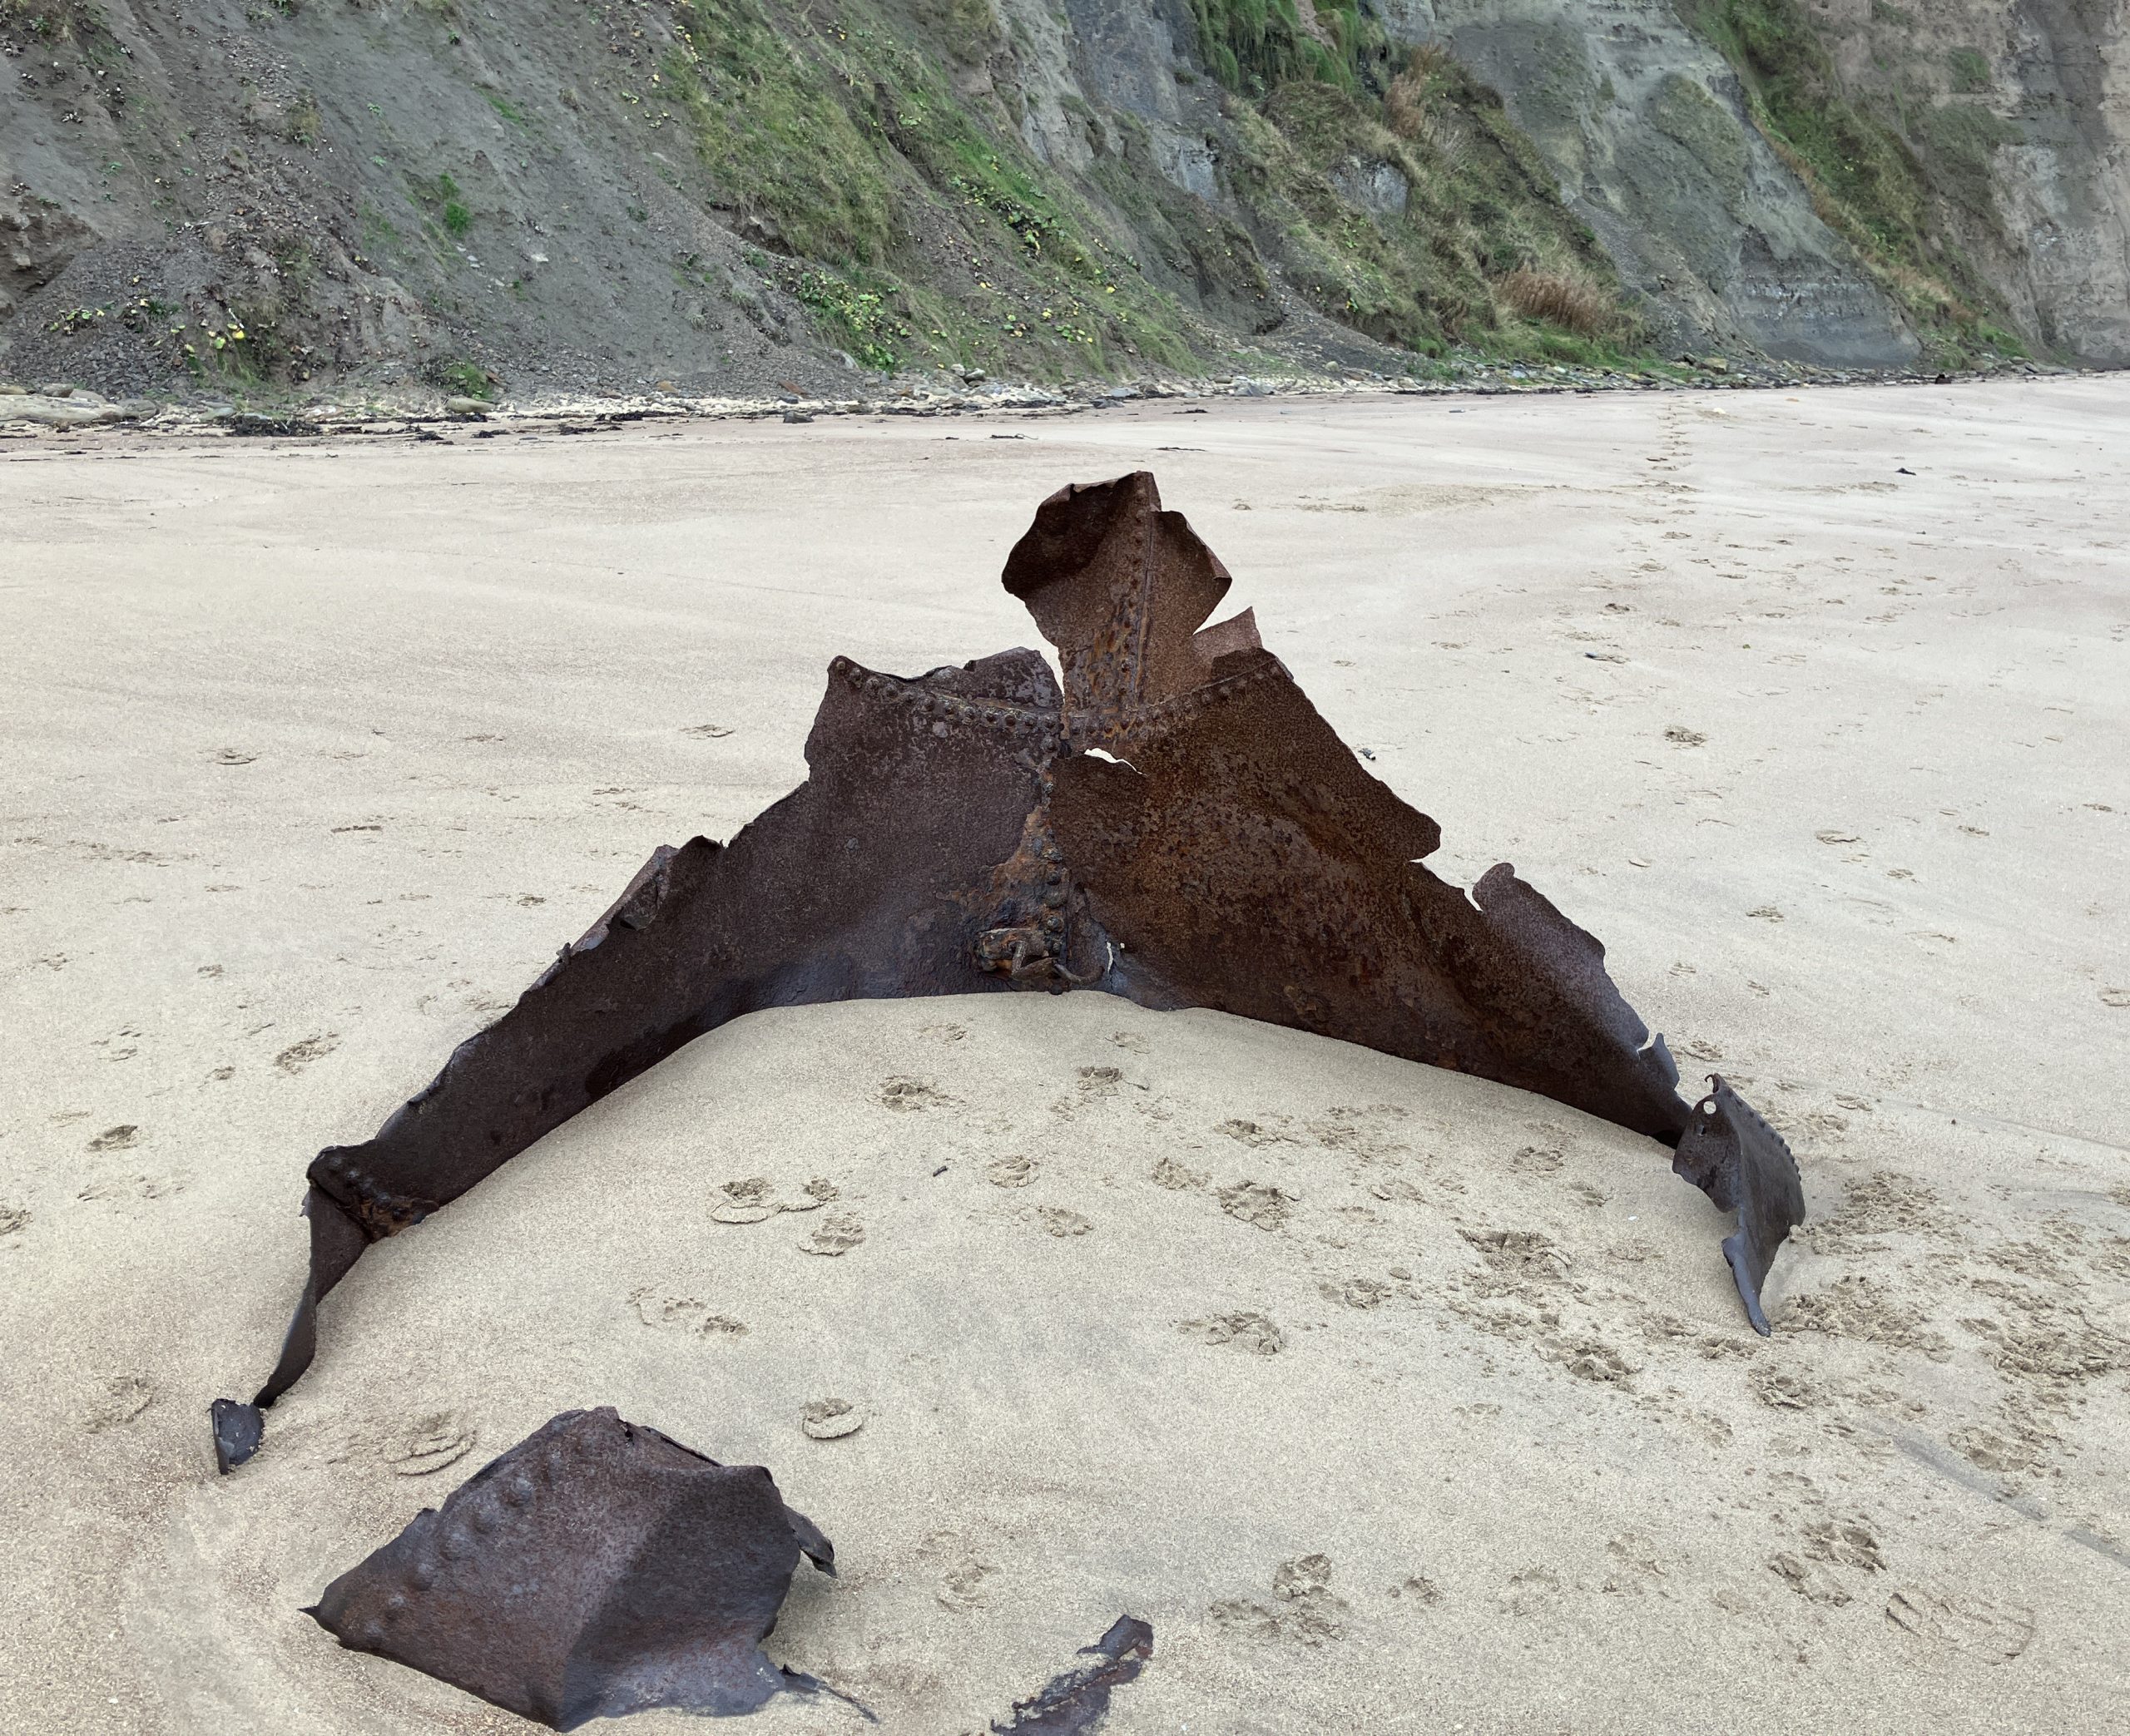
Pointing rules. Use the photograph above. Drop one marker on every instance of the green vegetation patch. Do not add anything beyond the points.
(773, 135)
(914, 231)
(1970, 71)
(1407, 217)
(857, 315)
(468, 379)
(1254, 47)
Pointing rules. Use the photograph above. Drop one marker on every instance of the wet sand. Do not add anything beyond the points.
(1814, 707)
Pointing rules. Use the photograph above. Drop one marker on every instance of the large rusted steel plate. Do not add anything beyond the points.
(1178, 825)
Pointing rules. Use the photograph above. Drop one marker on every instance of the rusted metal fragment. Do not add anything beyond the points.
(1177, 826)
(1242, 859)
(1076, 1702)
(238, 1428)
(597, 1568)
(1731, 1155)
(887, 873)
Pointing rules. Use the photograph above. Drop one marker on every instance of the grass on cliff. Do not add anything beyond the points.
(1254, 47)
(1867, 181)
(913, 232)
(916, 228)
(1424, 218)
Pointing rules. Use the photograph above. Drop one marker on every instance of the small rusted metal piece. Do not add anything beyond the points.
(1177, 826)
(597, 1568)
(1076, 1702)
(1731, 1155)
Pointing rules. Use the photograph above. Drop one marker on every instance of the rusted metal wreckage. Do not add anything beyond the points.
(595, 1569)
(1178, 827)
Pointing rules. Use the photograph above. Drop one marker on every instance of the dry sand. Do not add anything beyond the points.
(1815, 708)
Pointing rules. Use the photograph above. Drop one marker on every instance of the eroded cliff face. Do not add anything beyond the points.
(2020, 113)
(737, 193)
(1645, 125)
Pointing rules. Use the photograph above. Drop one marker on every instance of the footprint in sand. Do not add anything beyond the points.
(684, 1315)
(1844, 1543)
(1357, 1293)
(903, 1095)
(116, 1402)
(430, 1443)
(1305, 1611)
(830, 1419)
(1536, 1160)
(116, 1139)
(14, 1219)
(297, 1056)
(133, 1187)
(1945, 1622)
(754, 1201)
(1254, 1135)
(1057, 1221)
(1252, 1331)
(1258, 1204)
(833, 1236)
(1011, 1172)
(962, 1569)
(1176, 1177)
(1782, 1389)
(1814, 1584)
(748, 1201)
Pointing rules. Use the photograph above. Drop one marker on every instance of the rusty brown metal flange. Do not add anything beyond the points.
(1178, 825)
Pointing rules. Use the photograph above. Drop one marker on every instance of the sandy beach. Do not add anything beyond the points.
(1394, 1400)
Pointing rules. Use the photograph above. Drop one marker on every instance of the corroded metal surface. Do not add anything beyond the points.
(1076, 1702)
(1178, 825)
(1725, 1152)
(597, 1568)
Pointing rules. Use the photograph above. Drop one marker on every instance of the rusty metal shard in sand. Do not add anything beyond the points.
(1178, 825)
(595, 1569)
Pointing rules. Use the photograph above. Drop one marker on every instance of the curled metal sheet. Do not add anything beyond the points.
(1725, 1152)
(1076, 1702)
(1177, 826)
(597, 1568)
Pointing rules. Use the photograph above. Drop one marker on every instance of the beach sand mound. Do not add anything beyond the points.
(1392, 1399)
